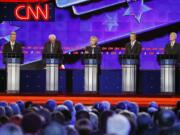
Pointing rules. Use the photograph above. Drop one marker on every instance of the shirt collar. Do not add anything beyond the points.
(12, 43)
(173, 42)
(133, 42)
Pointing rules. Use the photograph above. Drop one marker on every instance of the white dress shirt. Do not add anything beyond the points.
(12, 45)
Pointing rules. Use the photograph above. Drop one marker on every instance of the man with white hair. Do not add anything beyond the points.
(118, 125)
(52, 46)
(173, 47)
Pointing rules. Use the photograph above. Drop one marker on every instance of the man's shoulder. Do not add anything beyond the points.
(17, 43)
(6, 44)
(138, 42)
(177, 43)
(58, 42)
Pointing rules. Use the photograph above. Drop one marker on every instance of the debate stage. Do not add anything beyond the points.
(32, 88)
(162, 100)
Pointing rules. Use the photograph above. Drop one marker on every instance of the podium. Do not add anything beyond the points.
(52, 62)
(91, 64)
(13, 62)
(168, 69)
(130, 65)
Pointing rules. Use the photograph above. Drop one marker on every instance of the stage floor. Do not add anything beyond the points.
(89, 100)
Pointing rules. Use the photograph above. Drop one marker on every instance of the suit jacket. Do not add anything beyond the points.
(175, 50)
(135, 50)
(17, 48)
(7, 49)
(97, 50)
(56, 50)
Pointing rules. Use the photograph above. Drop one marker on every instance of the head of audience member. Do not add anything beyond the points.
(2, 111)
(46, 116)
(103, 120)
(15, 108)
(96, 112)
(96, 106)
(69, 104)
(52, 38)
(132, 37)
(55, 129)
(13, 37)
(21, 105)
(104, 106)
(51, 105)
(28, 105)
(60, 108)
(3, 103)
(79, 107)
(144, 121)
(132, 120)
(166, 118)
(133, 107)
(82, 115)
(84, 127)
(93, 41)
(10, 129)
(58, 117)
(94, 121)
(9, 111)
(173, 37)
(4, 120)
(32, 123)
(16, 119)
(118, 124)
(153, 107)
(122, 105)
(67, 116)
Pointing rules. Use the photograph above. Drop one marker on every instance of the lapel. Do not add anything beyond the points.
(132, 48)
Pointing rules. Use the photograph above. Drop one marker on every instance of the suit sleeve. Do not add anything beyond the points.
(126, 49)
(60, 48)
(4, 51)
(20, 49)
(139, 49)
(45, 49)
(166, 49)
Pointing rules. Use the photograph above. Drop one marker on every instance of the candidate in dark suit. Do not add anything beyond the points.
(12, 46)
(133, 47)
(172, 48)
(93, 48)
(52, 46)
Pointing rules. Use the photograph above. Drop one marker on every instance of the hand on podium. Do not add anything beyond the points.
(62, 67)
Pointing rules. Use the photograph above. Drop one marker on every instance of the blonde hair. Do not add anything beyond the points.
(94, 37)
(173, 33)
(13, 33)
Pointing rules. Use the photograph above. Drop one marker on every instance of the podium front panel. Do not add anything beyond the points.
(91, 77)
(13, 78)
(52, 73)
(129, 78)
(168, 78)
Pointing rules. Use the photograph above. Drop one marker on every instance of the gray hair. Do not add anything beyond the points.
(118, 124)
(52, 36)
(10, 129)
(173, 33)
